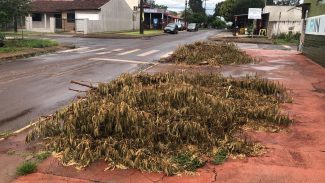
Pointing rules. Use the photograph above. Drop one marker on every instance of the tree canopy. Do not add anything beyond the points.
(196, 6)
(10, 10)
(229, 8)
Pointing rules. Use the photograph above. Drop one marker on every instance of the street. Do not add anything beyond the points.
(30, 88)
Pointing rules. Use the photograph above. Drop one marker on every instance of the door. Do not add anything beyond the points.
(58, 20)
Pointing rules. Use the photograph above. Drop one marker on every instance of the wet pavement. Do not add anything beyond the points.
(38, 86)
(295, 154)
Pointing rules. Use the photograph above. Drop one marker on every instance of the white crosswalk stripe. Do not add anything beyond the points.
(72, 50)
(118, 49)
(95, 50)
(103, 53)
(148, 53)
(167, 54)
(128, 52)
(118, 60)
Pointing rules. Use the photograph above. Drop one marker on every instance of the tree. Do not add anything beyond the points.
(11, 10)
(217, 9)
(196, 6)
(282, 2)
(193, 17)
(287, 2)
(227, 9)
(242, 6)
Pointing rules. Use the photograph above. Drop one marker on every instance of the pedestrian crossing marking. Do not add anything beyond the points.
(95, 50)
(148, 53)
(72, 50)
(103, 53)
(128, 52)
(118, 60)
(167, 54)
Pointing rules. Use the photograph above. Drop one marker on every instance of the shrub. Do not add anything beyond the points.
(218, 23)
(27, 167)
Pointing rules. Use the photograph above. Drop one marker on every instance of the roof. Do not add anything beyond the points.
(50, 6)
(283, 13)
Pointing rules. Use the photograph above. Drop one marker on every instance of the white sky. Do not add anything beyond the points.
(179, 5)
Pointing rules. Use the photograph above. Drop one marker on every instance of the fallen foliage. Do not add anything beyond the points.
(209, 53)
(171, 123)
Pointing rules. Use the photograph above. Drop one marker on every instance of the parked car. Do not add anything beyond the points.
(180, 26)
(192, 27)
(171, 28)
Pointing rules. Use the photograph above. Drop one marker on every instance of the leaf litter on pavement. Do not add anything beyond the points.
(167, 122)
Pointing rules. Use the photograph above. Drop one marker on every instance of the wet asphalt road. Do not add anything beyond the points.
(38, 86)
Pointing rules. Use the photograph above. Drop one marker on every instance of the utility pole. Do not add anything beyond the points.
(141, 17)
(185, 14)
(205, 13)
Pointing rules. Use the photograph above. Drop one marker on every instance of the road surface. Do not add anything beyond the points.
(38, 86)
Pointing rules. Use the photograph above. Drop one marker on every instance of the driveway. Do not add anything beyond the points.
(38, 86)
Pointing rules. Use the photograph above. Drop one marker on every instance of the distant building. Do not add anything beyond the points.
(312, 42)
(156, 18)
(275, 20)
(85, 16)
(283, 19)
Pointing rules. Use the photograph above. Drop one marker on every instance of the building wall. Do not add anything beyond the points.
(116, 15)
(314, 45)
(275, 28)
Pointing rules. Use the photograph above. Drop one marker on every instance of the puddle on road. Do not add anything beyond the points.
(265, 68)
(237, 74)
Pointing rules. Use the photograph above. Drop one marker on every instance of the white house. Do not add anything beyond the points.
(283, 19)
(84, 16)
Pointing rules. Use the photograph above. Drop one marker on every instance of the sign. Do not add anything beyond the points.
(146, 10)
(255, 13)
(316, 25)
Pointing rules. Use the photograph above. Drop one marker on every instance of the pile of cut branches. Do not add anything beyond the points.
(210, 53)
(169, 123)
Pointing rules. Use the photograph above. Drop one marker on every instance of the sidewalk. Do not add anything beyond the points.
(293, 155)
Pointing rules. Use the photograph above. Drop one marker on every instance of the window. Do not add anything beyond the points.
(71, 17)
(37, 17)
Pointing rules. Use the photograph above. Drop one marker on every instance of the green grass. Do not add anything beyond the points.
(27, 167)
(285, 42)
(43, 155)
(190, 163)
(19, 44)
(220, 157)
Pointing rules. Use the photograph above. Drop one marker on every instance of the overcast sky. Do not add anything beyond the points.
(179, 5)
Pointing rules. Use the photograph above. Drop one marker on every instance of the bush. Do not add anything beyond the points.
(287, 37)
(27, 167)
(218, 23)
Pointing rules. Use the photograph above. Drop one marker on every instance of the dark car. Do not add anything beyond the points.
(171, 28)
(192, 27)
